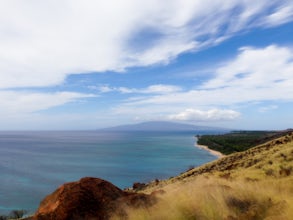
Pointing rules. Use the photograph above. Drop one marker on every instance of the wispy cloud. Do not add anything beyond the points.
(152, 89)
(43, 42)
(280, 16)
(254, 75)
(16, 102)
(267, 108)
(256, 68)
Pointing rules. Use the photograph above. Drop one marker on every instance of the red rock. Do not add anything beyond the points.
(89, 198)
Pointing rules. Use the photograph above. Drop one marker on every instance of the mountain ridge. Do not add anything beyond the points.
(162, 126)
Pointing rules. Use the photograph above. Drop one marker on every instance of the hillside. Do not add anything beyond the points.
(275, 156)
(254, 184)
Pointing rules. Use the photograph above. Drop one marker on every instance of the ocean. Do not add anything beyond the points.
(34, 164)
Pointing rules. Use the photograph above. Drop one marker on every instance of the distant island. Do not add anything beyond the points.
(164, 126)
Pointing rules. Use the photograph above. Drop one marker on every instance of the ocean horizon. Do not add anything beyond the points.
(34, 163)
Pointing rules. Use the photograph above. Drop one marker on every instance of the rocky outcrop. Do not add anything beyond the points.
(89, 198)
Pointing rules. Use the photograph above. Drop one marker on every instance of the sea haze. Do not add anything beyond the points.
(33, 164)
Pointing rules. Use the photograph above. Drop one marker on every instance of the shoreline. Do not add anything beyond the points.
(213, 152)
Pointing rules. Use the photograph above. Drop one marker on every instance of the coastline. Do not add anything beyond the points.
(213, 152)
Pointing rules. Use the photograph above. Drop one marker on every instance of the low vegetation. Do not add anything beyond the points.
(14, 214)
(238, 141)
(252, 185)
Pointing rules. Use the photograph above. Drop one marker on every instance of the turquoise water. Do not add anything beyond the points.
(34, 164)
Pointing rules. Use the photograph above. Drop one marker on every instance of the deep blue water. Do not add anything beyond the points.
(34, 164)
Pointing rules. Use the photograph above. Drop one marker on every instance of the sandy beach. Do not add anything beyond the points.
(213, 152)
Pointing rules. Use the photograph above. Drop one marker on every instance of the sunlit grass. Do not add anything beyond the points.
(216, 198)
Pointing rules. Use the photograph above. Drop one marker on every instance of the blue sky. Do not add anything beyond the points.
(86, 65)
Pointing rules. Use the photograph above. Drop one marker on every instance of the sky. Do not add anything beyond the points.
(79, 65)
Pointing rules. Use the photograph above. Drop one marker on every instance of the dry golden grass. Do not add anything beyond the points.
(208, 198)
(253, 185)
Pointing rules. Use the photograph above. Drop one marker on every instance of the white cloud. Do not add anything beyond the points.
(254, 75)
(13, 102)
(255, 68)
(267, 108)
(209, 115)
(162, 89)
(282, 15)
(152, 89)
(43, 42)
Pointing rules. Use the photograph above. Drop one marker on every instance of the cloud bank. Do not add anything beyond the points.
(197, 115)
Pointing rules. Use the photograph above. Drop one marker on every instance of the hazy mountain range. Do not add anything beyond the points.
(163, 126)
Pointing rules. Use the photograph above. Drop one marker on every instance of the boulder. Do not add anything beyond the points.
(138, 186)
(89, 198)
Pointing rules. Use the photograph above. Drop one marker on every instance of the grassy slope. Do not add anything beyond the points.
(255, 184)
